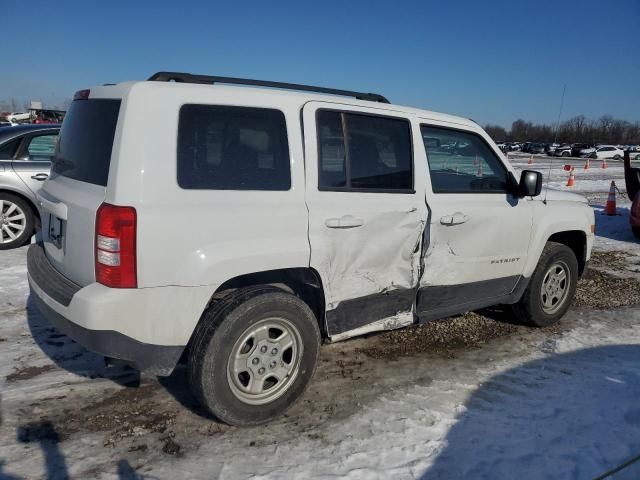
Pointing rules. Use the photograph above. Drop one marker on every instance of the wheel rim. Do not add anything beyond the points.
(555, 287)
(264, 361)
(13, 221)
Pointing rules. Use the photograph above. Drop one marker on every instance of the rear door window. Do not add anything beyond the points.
(361, 152)
(86, 140)
(232, 148)
(42, 147)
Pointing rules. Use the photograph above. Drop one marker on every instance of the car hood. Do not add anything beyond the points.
(551, 194)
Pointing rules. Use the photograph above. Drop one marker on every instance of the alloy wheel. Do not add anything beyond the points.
(13, 221)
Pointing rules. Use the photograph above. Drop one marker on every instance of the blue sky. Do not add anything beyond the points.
(493, 61)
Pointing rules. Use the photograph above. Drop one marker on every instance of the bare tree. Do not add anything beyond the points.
(605, 129)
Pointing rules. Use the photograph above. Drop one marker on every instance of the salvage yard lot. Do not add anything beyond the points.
(471, 397)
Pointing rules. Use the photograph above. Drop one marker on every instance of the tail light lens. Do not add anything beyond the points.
(116, 246)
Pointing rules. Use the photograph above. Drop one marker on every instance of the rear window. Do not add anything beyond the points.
(86, 140)
(232, 148)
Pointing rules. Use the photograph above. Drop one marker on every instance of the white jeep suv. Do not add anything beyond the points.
(240, 227)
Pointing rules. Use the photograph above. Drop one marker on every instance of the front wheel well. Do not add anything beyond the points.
(576, 240)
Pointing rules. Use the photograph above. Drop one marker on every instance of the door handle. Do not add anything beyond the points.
(454, 219)
(346, 221)
(40, 176)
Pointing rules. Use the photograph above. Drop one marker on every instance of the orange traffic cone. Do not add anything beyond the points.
(479, 174)
(611, 200)
(604, 163)
(572, 179)
(530, 162)
(586, 164)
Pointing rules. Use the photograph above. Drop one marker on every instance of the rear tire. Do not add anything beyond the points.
(253, 355)
(17, 221)
(551, 288)
(636, 231)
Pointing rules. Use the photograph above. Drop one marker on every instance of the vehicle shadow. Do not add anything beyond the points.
(44, 434)
(177, 385)
(571, 415)
(71, 356)
(614, 227)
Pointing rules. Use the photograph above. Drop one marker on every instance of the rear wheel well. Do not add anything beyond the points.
(305, 283)
(576, 240)
(29, 202)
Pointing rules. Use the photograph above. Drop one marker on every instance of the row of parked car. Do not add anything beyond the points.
(582, 150)
(34, 115)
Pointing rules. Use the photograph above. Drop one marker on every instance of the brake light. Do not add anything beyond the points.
(115, 246)
(81, 94)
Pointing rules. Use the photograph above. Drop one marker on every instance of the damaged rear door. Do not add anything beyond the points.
(366, 214)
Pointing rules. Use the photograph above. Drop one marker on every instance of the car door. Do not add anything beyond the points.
(366, 214)
(479, 232)
(32, 162)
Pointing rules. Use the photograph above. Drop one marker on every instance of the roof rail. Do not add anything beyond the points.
(207, 79)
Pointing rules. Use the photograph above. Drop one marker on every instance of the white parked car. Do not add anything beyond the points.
(239, 228)
(18, 117)
(585, 152)
(606, 152)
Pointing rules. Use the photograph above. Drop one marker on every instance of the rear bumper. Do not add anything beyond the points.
(146, 327)
(155, 359)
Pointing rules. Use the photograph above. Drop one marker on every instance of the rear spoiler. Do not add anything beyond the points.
(631, 176)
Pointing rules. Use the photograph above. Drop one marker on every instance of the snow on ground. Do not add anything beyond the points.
(560, 402)
(555, 403)
(613, 233)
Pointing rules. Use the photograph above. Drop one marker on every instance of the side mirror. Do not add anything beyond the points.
(530, 183)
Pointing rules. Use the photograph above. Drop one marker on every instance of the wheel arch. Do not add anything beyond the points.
(304, 282)
(576, 240)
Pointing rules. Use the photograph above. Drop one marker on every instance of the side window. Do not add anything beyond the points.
(232, 148)
(363, 152)
(42, 147)
(8, 150)
(462, 162)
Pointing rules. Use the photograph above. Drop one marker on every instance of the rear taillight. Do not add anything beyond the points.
(116, 246)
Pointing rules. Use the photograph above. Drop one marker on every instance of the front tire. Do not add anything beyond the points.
(16, 221)
(551, 288)
(617, 157)
(636, 231)
(253, 355)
